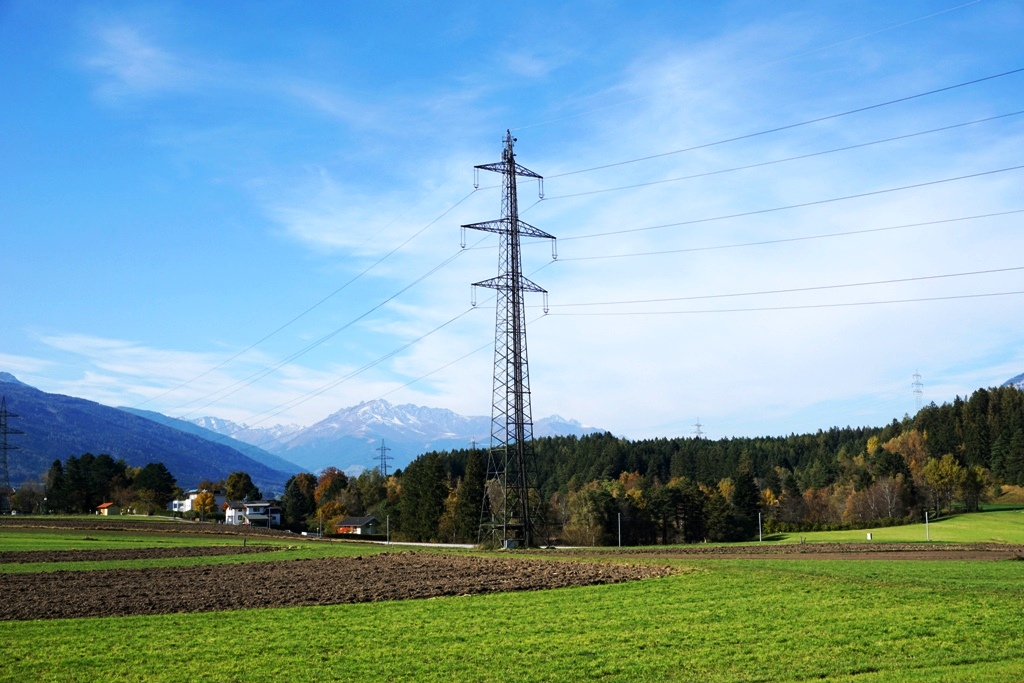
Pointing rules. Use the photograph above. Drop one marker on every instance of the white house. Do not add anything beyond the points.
(234, 512)
(262, 513)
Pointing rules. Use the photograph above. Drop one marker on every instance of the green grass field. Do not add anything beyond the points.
(1000, 526)
(718, 621)
(740, 620)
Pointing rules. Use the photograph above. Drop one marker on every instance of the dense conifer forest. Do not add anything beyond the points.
(685, 490)
(679, 490)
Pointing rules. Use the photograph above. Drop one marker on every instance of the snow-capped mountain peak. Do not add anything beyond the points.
(1017, 382)
(353, 436)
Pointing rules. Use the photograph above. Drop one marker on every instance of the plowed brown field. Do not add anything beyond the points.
(28, 556)
(371, 578)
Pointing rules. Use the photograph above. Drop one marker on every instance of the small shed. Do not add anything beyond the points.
(359, 525)
(108, 509)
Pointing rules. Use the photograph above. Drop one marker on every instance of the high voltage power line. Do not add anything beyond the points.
(259, 375)
(787, 207)
(322, 340)
(780, 161)
(237, 386)
(794, 290)
(280, 408)
(783, 240)
(313, 307)
(763, 64)
(790, 126)
(848, 304)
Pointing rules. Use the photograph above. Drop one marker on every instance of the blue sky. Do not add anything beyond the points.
(233, 209)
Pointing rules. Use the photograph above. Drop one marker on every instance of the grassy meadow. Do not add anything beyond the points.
(998, 526)
(752, 620)
(718, 620)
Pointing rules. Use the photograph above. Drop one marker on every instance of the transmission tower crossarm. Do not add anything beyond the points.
(500, 226)
(504, 282)
(502, 167)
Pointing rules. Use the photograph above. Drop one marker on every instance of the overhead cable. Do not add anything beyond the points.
(782, 240)
(757, 66)
(309, 309)
(264, 372)
(793, 290)
(795, 206)
(794, 308)
(791, 125)
(779, 161)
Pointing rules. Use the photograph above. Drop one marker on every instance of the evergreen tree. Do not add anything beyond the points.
(720, 522)
(772, 482)
(240, 487)
(298, 498)
(692, 511)
(423, 494)
(997, 458)
(1014, 459)
(155, 479)
(746, 499)
(56, 488)
(791, 504)
(470, 499)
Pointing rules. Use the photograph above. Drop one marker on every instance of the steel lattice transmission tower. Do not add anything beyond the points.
(918, 391)
(383, 458)
(5, 477)
(512, 512)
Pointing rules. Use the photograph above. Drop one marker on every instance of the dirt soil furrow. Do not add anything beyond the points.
(32, 556)
(370, 578)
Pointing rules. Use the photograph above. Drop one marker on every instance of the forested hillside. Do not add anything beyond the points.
(56, 427)
(692, 489)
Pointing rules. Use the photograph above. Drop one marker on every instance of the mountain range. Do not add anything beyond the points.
(1017, 382)
(350, 439)
(55, 427)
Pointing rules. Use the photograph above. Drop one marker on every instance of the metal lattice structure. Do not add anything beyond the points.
(512, 513)
(383, 458)
(5, 478)
(918, 391)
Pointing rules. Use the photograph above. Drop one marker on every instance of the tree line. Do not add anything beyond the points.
(686, 490)
(81, 483)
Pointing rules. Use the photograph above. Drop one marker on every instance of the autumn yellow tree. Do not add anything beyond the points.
(205, 504)
(911, 446)
(943, 477)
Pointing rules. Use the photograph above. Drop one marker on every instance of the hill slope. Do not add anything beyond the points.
(57, 426)
(258, 454)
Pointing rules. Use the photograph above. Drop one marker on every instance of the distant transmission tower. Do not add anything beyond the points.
(697, 429)
(5, 477)
(383, 458)
(918, 391)
(513, 514)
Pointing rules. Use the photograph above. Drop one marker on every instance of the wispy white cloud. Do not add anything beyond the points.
(767, 371)
(15, 364)
(131, 63)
